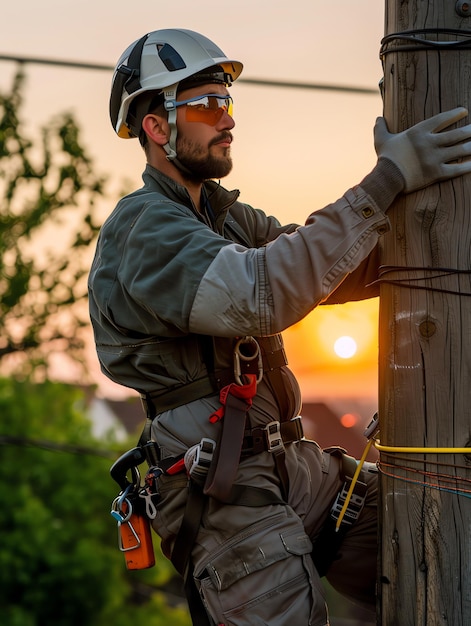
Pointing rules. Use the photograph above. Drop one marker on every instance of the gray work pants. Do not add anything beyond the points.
(253, 565)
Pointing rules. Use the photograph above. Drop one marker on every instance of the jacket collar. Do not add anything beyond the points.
(221, 198)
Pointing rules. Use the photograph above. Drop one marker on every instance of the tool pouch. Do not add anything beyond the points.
(135, 538)
(129, 510)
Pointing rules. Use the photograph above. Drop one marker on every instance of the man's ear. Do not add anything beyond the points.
(155, 127)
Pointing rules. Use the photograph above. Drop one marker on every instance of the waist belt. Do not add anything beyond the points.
(159, 401)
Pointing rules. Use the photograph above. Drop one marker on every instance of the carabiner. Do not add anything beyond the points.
(117, 511)
(250, 353)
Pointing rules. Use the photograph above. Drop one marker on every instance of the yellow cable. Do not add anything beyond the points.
(381, 448)
(412, 450)
(353, 483)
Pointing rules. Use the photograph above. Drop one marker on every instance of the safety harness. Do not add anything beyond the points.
(253, 359)
(212, 466)
(216, 467)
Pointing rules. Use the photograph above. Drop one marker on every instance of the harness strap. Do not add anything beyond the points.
(261, 439)
(181, 552)
(236, 400)
(243, 495)
(274, 377)
(256, 440)
(280, 463)
(189, 527)
(155, 403)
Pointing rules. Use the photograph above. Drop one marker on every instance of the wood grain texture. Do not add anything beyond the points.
(425, 345)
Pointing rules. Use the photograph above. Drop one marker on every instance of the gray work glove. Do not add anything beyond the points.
(423, 153)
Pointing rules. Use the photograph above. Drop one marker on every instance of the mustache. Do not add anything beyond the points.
(224, 136)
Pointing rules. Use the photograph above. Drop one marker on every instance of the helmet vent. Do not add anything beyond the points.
(170, 58)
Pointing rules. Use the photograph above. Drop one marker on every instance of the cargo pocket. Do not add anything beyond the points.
(264, 575)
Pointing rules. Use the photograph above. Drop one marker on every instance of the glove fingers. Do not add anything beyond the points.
(452, 170)
(451, 137)
(453, 153)
(440, 121)
(381, 133)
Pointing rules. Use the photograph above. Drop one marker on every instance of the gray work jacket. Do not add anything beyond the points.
(164, 276)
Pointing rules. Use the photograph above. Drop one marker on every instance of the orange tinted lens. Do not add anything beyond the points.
(208, 109)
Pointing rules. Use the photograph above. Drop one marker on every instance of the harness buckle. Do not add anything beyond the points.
(355, 505)
(273, 437)
(246, 351)
(198, 458)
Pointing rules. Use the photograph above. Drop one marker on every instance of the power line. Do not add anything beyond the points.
(59, 62)
(300, 85)
(249, 81)
(52, 446)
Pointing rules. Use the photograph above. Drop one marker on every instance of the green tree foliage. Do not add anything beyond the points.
(59, 559)
(48, 200)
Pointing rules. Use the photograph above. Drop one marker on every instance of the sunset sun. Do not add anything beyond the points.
(345, 347)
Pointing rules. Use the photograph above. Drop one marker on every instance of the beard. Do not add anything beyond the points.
(198, 162)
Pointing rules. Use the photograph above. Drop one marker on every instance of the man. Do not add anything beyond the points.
(188, 292)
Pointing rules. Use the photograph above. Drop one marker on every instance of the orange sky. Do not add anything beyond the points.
(310, 348)
(294, 150)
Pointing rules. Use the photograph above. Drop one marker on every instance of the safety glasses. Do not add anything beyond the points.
(208, 108)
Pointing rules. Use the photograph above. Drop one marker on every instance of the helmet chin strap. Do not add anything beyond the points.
(170, 95)
(170, 98)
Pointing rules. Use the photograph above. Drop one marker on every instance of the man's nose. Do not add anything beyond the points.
(226, 122)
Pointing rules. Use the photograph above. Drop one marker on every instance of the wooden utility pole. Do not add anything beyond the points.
(425, 336)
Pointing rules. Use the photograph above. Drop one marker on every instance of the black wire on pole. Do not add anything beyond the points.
(249, 81)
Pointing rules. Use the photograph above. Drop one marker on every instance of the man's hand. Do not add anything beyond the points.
(423, 153)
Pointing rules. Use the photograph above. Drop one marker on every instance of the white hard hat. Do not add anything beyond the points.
(161, 59)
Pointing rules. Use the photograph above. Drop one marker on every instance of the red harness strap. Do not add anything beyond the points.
(236, 400)
(245, 392)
